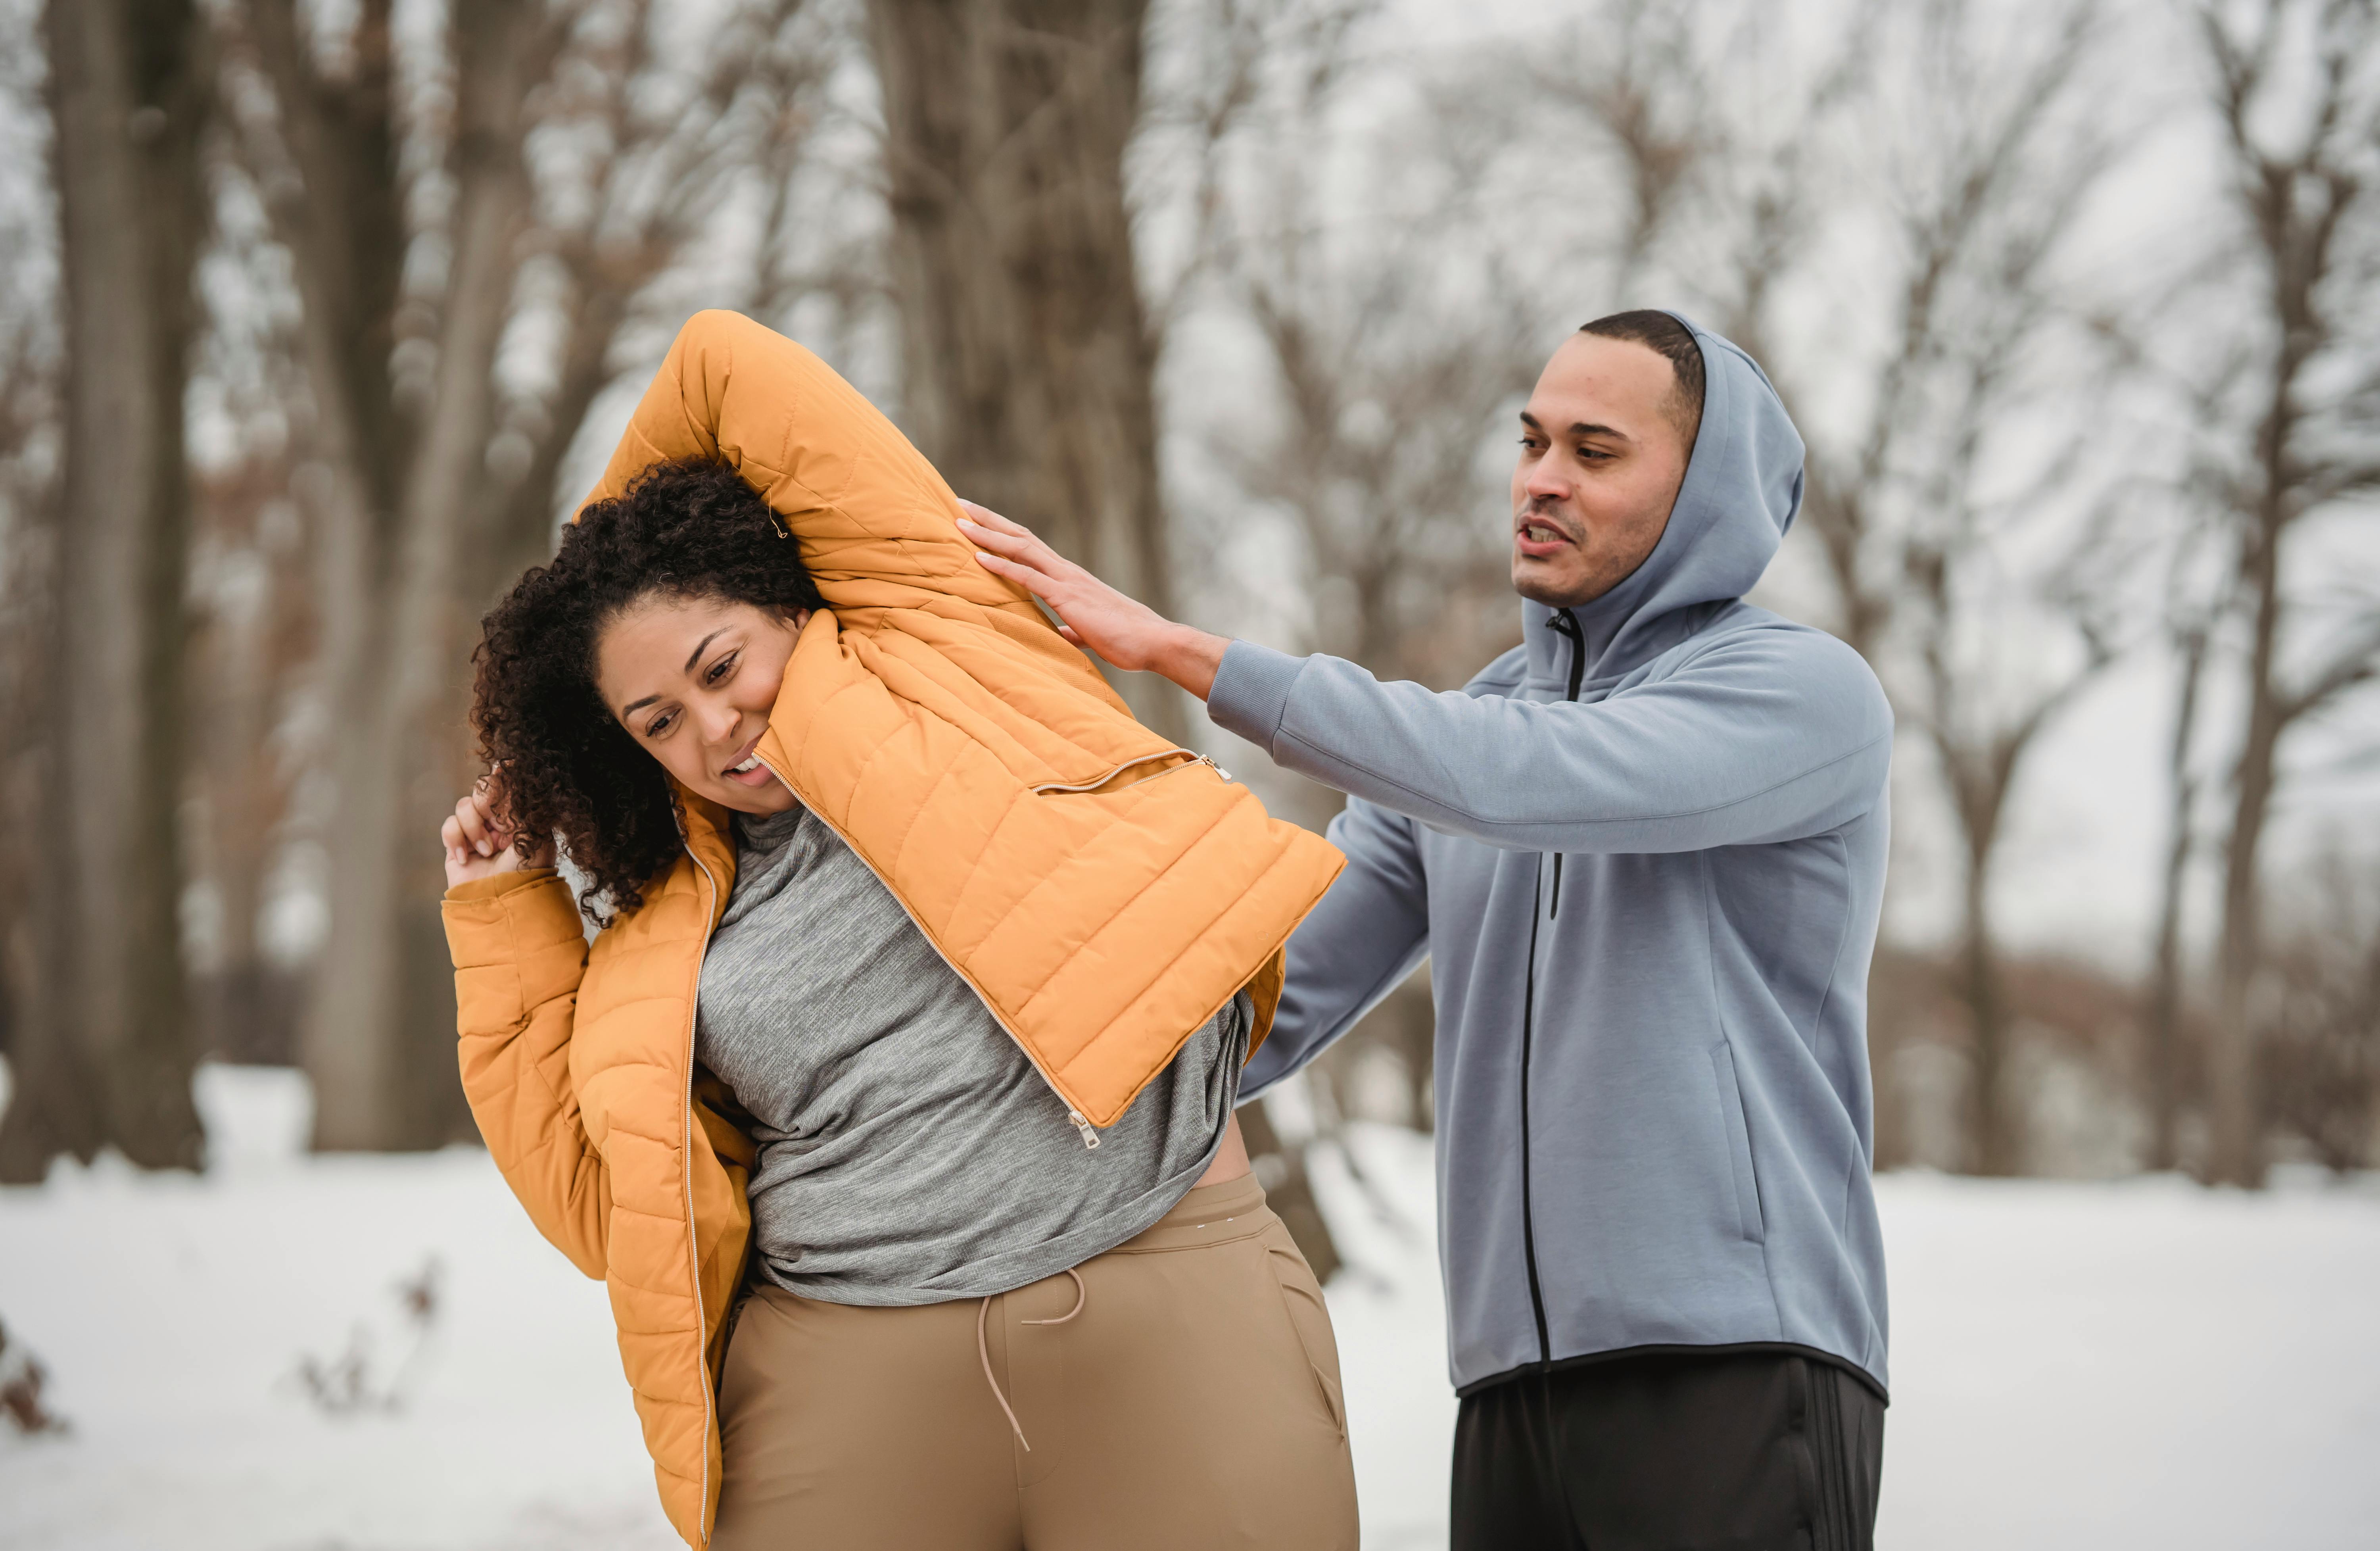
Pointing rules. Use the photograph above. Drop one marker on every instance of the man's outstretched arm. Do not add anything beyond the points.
(1766, 736)
(1370, 931)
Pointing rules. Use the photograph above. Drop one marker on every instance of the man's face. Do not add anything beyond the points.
(1601, 459)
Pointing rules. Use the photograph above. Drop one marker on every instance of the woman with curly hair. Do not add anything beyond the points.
(892, 1097)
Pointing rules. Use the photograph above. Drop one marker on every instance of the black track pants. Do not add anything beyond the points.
(1745, 1451)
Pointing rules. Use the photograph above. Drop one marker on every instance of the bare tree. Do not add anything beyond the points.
(399, 379)
(646, 150)
(2163, 1016)
(438, 484)
(1941, 573)
(2296, 89)
(1385, 352)
(1027, 352)
(1984, 236)
(104, 1055)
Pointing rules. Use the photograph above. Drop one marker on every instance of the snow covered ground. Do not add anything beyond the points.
(2143, 1364)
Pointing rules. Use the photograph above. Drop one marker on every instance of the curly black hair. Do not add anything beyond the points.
(569, 769)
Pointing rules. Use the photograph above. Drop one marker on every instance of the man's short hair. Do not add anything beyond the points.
(1674, 343)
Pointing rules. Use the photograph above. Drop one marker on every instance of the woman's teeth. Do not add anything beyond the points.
(751, 762)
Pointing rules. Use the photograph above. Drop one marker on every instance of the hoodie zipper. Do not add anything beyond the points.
(1566, 625)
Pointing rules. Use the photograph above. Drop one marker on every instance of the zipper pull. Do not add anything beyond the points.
(1090, 1137)
(1209, 761)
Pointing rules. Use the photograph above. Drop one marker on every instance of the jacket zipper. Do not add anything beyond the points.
(686, 1145)
(1074, 1117)
(1194, 755)
(1565, 624)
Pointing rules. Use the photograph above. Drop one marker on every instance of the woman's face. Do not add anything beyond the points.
(693, 680)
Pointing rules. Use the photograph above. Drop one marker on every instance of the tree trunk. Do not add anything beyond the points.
(1998, 1140)
(130, 86)
(2164, 1029)
(2235, 1107)
(380, 1035)
(1026, 355)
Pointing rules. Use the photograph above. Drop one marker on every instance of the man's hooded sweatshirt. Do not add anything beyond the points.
(1644, 853)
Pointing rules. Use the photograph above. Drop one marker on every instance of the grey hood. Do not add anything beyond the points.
(1742, 492)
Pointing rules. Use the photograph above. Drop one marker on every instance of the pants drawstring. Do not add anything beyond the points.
(983, 1345)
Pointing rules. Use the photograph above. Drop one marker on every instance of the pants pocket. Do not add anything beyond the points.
(1309, 1318)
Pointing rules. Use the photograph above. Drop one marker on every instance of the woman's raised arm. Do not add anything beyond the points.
(878, 526)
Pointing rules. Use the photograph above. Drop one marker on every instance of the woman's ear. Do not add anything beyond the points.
(801, 618)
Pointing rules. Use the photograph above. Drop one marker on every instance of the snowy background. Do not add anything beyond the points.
(1355, 226)
(2145, 1363)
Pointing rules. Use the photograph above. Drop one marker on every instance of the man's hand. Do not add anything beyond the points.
(1091, 614)
(478, 845)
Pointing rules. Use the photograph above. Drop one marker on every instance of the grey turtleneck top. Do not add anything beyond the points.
(910, 1153)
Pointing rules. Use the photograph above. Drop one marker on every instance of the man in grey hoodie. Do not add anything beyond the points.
(1643, 852)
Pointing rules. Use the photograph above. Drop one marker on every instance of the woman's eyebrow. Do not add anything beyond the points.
(699, 647)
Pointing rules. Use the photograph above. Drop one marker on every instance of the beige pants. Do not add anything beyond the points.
(1193, 1401)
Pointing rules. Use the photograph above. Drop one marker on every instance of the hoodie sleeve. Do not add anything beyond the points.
(1768, 734)
(1370, 931)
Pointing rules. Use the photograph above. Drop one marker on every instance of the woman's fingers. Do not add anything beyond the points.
(488, 799)
(468, 825)
(479, 839)
(477, 820)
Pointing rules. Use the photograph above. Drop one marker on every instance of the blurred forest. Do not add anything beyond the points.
(316, 318)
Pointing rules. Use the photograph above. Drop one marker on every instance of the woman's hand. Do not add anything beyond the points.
(480, 845)
(1091, 614)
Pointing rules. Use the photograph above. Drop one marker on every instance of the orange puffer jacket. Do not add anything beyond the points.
(1104, 892)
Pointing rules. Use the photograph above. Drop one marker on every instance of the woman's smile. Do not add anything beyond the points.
(694, 679)
(748, 768)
